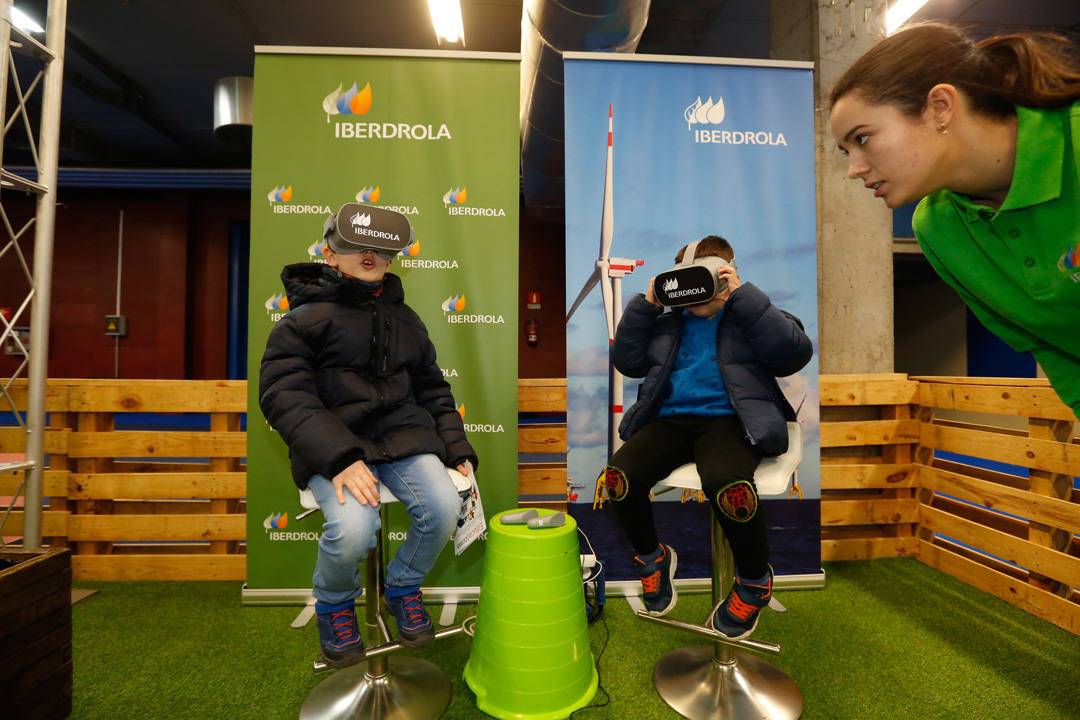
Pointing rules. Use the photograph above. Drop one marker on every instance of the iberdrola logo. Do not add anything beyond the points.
(368, 195)
(1069, 263)
(350, 102)
(276, 306)
(277, 521)
(454, 304)
(454, 196)
(461, 410)
(478, 427)
(411, 251)
(280, 194)
(315, 253)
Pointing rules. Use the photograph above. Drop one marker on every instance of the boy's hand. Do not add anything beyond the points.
(361, 483)
(465, 468)
(732, 276)
(650, 295)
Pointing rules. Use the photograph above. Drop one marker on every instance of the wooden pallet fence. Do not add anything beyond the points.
(1011, 534)
(542, 399)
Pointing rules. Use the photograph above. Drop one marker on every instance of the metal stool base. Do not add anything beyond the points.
(411, 689)
(697, 686)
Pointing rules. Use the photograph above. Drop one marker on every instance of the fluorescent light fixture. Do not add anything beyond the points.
(24, 22)
(899, 13)
(446, 17)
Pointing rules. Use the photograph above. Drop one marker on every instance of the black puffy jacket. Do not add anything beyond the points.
(756, 343)
(349, 374)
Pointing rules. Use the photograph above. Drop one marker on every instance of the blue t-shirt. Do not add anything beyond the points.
(695, 385)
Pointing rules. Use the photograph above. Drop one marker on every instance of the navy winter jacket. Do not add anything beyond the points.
(349, 374)
(756, 343)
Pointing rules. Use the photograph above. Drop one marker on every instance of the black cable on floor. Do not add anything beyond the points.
(599, 677)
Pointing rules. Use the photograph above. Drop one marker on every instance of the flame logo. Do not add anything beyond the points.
(280, 194)
(671, 284)
(351, 102)
(461, 410)
(1070, 260)
(315, 249)
(368, 195)
(361, 220)
(411, 251)
(707, 113)
(278, 521)
(455, 303)
(277, 303)
(454, 196)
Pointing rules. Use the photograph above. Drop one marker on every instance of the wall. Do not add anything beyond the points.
(174, 280)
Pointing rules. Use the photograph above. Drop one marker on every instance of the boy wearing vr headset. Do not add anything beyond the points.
(349, 380)
(710, 362)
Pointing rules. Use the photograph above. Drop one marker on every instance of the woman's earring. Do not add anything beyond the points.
(942, 129)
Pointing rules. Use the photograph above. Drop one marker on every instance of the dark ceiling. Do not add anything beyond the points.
(139, 73)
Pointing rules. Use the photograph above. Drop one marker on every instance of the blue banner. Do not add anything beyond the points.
(698, 148)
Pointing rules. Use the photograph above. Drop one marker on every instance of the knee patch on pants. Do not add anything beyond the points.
(738, 501)
(615, 482)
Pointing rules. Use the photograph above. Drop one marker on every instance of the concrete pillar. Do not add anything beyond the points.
(855, 265)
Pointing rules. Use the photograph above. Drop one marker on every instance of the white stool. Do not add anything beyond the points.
(718, 681)
(381, 687)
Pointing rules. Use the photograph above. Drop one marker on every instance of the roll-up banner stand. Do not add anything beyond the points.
(699, 146)
(433, 135)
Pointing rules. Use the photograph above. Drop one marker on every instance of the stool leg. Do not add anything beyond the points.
(381, 687)
(719, 681)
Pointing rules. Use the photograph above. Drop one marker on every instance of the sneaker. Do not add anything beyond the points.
(738, 615)
(339, 634)
(414, 625)
(656, 580)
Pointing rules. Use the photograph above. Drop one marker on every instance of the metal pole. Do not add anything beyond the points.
(5, 44)
(48, 145)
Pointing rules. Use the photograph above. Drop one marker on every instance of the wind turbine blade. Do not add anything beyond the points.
(589, 285)
(609, 302)
(607, 222)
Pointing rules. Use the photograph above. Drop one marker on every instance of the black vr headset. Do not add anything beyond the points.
(691, 281)
(358, 227)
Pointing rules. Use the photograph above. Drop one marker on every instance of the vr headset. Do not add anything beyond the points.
(691, 281)
(358, 227)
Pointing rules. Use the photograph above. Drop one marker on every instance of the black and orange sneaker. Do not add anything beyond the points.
(738, 615)
(414, 625)
(656, 580)
(339, 634)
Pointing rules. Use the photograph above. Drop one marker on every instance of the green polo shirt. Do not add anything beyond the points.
(1018, 268)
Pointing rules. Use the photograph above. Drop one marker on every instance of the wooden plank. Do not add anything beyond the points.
(867, 548)
(893, 389)
(31, 566)
(980, 515)
(542, 438)
(1038, 602)
(118, 528)
(869, 476)
(880, 511)
(144, 443)
(159, 567)
(869, 432)
(157, 486)
(541, 478)
(160, 396)
(1038, 402)
(547, 504)
(53, 524)
(546, 395)
(957, 380)
(1048, 510)
(53, 482)
(1045, 561)
(1023, 451)
(55, 397)
(13, 440)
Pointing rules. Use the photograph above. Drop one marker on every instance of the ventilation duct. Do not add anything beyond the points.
(232, 109)
(548, 28)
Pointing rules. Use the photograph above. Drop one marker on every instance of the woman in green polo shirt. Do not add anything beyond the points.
(987, 135)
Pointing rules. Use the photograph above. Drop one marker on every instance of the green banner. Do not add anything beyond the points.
(434, 136)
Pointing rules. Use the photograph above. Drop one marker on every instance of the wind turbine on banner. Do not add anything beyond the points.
(609, 272)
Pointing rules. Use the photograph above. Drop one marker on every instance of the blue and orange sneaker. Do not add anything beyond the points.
(738, 615)
(657, 572)
(414, 625)
(339, 634)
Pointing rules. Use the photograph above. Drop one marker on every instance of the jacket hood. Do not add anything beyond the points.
(318, 282)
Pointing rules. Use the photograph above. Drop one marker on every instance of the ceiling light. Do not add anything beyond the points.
(24, 22)
(899, 13)
(446, 17)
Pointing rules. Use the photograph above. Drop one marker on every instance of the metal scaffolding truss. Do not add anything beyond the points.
(44, 147)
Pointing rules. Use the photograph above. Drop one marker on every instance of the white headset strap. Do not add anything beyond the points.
(688, 254)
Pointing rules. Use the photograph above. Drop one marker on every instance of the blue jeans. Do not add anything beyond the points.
(420, 482)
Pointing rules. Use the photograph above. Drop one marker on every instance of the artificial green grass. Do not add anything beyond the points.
(889, 639)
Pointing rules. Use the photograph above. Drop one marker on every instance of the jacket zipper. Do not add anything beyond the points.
(386, 344)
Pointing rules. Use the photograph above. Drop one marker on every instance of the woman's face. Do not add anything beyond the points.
(896, 157)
